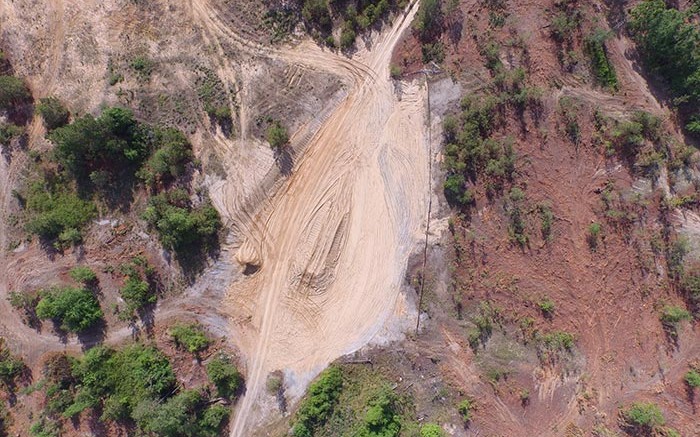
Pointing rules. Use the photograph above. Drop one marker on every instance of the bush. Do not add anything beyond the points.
(320, 402)
(57, 214)
(119, 381)
(138, 290)
(671, 316)
(277, 135)
(169, 160)
(76, 309)
(692, 378)
(185, 414)
(9, 131)
(11, 366)
(465, 408)
(224, 375)
(431, 430)
(594, 230)
(316, 14)
(381, 419)
(644, 416)
(191, 337)
(180, 226)
(109, 145)
(53, 112)
(603, 69)
(667, 40)
(83, 274)
(546, 306)
(12, 92)
(429, 20)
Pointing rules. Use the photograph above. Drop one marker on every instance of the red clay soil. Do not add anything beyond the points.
(610, 298)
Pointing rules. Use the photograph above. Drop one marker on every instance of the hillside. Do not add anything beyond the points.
(349, 218)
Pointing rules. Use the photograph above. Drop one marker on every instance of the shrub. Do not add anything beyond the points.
(57, 214)
(138, 290)
(594, 230)
(429, 20)
(465, 408)
(671, 316)
(185, 414)
(347, 35)
(11, 366)
(316, 14)
(191, 337)
(53, 112)
(603, 69)
(644, 416)
(121, 380)
(12, 91)
(9, 131)
(169, 160)
(143, 67)
(431, 430)
(181, 226)
(76, 309)
(224, 375)
(84, 275)
(692, 378)
(277, 135)
(547, 220)
(381, 418)
(92, 148)
(320, 402)
(546, 306)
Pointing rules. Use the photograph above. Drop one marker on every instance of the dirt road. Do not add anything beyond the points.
(333, 244)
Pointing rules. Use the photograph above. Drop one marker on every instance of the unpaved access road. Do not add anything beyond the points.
(334, 240)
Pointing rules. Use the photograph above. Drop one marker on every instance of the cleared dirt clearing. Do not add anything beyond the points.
(334, 242)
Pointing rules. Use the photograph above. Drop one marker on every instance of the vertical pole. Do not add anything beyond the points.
(430, 203)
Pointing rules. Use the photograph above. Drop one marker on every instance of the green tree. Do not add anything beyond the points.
(320, 402)
(12, 91)
(692, 378)
(429, 20)
(83, 274)
(169, 160)
(190, 337)
(180, 226)
(224, 375)
(76, 309)
(431, 430)
(644, 417)
(53, 112)
(277, 135)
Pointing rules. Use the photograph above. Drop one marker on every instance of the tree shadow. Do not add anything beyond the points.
(284, 160)
(93, 336)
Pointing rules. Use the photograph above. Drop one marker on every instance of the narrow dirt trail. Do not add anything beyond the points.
(335, 240)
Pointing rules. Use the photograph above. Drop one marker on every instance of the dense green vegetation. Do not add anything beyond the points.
(668, 39)
(12, 92)
(138, 290)
(277, 135)
(75, 309)
(181, 226)
(135, 384)
(471, 153)
(168, 161)
(692, 378)
(11, 366)
(190, 337)
(84, 275)
(224, 375)
(56, 213)
(322, 397)
(352, 16)
(53, 112)
(644, 417)
(603, 69)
